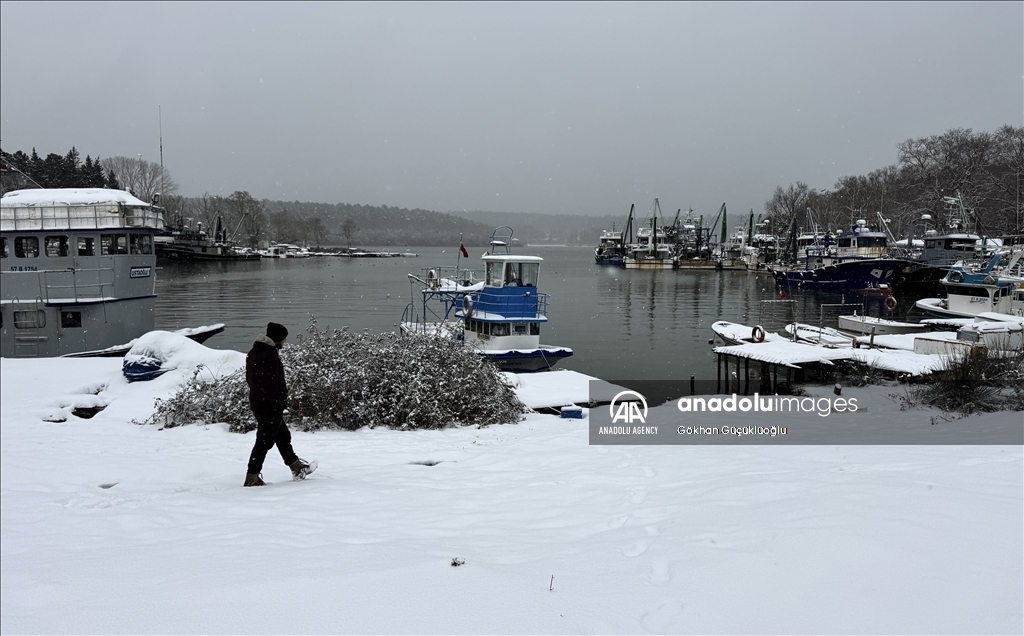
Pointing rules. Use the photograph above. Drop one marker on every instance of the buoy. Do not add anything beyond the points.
(467, 306)
(891, 304)
(757, 334)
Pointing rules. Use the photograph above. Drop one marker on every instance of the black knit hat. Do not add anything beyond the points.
(276, 332)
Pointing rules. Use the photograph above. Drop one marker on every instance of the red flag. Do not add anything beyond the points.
(462, 248)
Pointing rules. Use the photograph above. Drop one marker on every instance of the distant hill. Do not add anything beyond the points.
(386, 225)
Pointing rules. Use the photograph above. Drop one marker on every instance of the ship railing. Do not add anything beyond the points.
(48, 288)
(80, 217)
(529, 304)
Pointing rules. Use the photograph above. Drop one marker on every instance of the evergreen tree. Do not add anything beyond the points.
(112, 181)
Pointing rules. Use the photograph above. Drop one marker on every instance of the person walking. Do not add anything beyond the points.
(268, 397)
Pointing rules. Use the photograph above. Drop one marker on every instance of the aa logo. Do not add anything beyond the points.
(628, 412)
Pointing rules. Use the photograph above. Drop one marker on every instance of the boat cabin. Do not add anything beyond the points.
(861, 242)
(508, 311)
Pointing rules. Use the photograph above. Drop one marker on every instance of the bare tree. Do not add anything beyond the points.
(787, 205)
(243, 208)
(142, 178)
(348, 230)
(317, 230)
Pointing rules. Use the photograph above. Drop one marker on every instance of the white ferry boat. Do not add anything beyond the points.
(78, 270)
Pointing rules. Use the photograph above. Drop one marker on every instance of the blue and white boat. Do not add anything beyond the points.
(970, 292)
(500, 316)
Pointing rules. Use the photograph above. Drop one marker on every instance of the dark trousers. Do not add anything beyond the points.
(270, 430)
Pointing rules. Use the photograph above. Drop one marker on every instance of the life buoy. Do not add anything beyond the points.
(891, 304)
(757, 334)
(956, 276)
(467, 307)
(432, 280)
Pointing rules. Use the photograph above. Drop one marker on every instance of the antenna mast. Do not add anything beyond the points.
(160, 117)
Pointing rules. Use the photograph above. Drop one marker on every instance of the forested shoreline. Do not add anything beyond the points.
(983, 168)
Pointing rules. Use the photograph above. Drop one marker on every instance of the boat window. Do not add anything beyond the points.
(86, 246)
(494, 274)
(26, 246)
(871, 241)
(499, 329)
(141, 243)
(520, 329)
(930, 244)
(56, 246)
(70, 319)
(843, 242)
(33, 319)
(113, 244)
(6, 251)
(967, 290)
(528, 273)
(534, 328)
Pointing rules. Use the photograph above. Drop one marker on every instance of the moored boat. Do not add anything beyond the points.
(970, 292)
(865, 325)
(79, 270)
(500, 316)
(194, 244)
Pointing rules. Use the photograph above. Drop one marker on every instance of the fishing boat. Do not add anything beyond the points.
(194, 244)
(858, 260)
(79, 270)
(499, 316)
(970, 291)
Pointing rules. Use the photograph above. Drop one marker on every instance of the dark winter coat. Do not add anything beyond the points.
(264, 374)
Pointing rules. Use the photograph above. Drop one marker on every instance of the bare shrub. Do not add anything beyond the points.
(979, 381)
(339, 379)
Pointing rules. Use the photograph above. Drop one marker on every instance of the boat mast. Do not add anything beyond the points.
(160, 117)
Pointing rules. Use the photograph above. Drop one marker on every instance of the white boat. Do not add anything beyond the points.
(865, 325)
(823, 336)
(79, 269)
(734, 333)
(970, 292)
(500, 317)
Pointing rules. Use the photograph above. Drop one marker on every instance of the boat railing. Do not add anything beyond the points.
(527, 305)
(51, 282)
(80, 217)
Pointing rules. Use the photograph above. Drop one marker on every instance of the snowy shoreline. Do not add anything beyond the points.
(108, 526)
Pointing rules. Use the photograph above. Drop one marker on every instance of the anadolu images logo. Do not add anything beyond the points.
(627, 412)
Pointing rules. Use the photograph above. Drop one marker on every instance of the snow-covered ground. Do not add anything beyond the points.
(112, 527)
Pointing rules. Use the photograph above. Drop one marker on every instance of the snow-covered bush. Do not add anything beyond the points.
(340, 379)
(977, 382)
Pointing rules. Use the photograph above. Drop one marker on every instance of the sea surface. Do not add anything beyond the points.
(621, 324)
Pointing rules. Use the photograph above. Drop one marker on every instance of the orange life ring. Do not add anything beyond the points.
(891, 304)
(757, 334)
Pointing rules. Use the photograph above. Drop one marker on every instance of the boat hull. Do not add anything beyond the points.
(866, 325)
(527, 360)
(845, 276)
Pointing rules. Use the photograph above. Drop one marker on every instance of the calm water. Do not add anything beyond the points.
(620, 324)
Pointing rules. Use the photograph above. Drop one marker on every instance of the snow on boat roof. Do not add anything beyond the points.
(52, 197)
(511, 257)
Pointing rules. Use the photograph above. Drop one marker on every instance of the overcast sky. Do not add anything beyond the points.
(538, 107)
